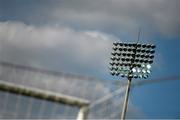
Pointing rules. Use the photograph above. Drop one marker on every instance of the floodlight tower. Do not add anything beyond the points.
(131, 60)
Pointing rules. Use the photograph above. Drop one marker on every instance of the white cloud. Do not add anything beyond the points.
(160, 16)
(114, 16)
(58, 48)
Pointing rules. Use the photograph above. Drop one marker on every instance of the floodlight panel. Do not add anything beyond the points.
(132, 55)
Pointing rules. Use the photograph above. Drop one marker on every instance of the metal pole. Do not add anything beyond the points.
(83, 113)
(123, 114)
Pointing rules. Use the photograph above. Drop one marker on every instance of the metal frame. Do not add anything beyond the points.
(49, 96)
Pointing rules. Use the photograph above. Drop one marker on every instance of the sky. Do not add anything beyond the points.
(76, 37)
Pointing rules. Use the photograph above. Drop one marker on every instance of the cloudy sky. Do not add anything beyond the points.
(76, 36)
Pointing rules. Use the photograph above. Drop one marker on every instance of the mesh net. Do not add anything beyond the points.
(104, 96)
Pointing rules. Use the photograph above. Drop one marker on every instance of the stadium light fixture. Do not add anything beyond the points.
(131, 60)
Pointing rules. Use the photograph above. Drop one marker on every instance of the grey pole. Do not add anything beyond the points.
(123, 114)
(125, 105)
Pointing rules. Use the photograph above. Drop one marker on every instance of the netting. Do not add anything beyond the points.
(104, 97)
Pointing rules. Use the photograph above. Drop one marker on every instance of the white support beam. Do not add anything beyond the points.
(43, 94)
(83, 113)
